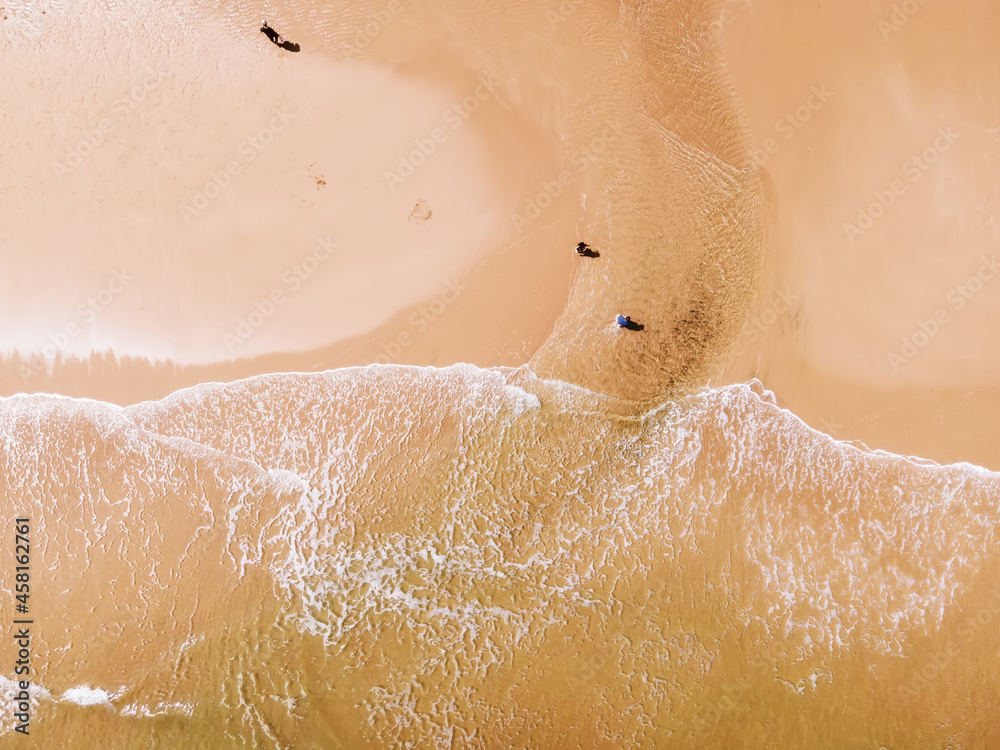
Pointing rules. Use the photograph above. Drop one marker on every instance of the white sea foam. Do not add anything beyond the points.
(87, 696)
(159, 709)
(524, 401)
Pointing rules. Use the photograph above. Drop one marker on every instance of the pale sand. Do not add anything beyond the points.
(498, 315)
(171, 108)
(864, 99)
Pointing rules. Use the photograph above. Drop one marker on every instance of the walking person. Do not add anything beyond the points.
(271, 34)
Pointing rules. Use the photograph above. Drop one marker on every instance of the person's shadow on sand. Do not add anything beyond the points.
(588, 253)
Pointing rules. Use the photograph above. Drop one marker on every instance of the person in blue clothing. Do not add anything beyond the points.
(624, 321)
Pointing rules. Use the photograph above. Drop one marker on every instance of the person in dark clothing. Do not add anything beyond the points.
(271, 34)
(584, 250)
(277, 38)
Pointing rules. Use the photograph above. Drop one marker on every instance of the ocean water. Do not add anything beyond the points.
(480, 558)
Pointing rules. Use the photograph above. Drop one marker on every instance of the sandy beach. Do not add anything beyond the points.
(317, 432)
(331, 245)
(272, 202)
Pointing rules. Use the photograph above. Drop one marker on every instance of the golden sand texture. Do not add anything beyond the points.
(583, 550)
(514, 149)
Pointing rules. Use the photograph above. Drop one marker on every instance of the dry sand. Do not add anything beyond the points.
(877, 326)
(220, 199)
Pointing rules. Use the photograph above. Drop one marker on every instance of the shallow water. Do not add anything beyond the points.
(370, 557)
